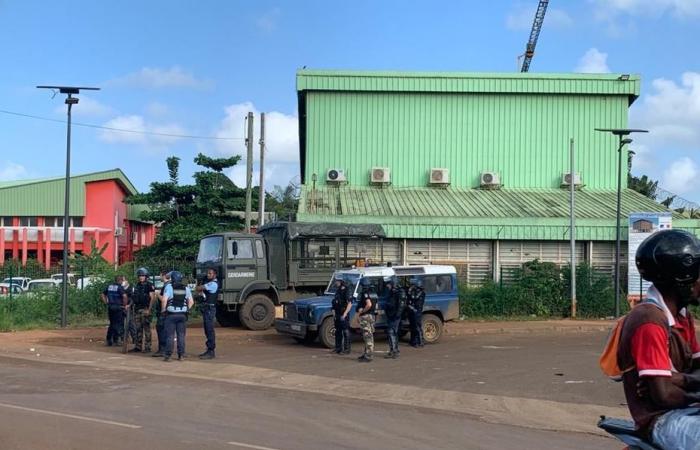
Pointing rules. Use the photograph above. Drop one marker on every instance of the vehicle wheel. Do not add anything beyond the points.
(226, 318)
(327, 333)
(432, 328)
(258, 312)
(310, 338)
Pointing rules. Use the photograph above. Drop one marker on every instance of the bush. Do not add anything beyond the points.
(541, 290)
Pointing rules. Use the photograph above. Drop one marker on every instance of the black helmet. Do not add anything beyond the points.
(176, 276)
(142, 272)
(669, 257)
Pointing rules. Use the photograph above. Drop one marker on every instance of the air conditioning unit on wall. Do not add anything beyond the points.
(335, 176)
(566, 180)
(380, 175)
(490, 180)
(439, 177)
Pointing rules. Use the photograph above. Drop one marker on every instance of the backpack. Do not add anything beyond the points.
(608, 359)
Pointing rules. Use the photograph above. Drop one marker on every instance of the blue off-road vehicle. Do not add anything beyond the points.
(310, 318)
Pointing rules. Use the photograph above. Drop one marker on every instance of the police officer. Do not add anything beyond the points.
(416, 300)
(175, 303)
(341, 307)
(142, 297)
(366, 307)
(116, 300)
(394, 307)
(129, 290)
(160, 318)
(207, 306)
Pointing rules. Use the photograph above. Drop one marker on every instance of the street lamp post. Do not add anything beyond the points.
(70, 101)
(622, 141)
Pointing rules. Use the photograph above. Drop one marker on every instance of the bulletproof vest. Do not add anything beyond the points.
(340, 300)
(396, 302)
(178, 303)
(416, 298)
(141, 296)
(114, 297)
(372, 298)
(211, 296)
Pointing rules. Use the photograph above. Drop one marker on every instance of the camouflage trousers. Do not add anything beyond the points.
(367, 327)
(142, 321)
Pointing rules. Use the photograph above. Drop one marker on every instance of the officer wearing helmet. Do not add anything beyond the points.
(175, 304)
(658, 347)
(142, 297)
(416, 300)
(366, 306)
(116, 300)
(207, 306)
(394, 308)
(341, 305)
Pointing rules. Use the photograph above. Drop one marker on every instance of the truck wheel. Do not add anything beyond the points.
(310, 338)
(258, 312)
(327, 333)
(226, 318)
(432, 328)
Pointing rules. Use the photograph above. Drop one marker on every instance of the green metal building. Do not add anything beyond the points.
(464, 168)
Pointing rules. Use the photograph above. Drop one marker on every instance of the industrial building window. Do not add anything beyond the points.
(6, 221)
(27, 221)
(76, 221)
(53, 221)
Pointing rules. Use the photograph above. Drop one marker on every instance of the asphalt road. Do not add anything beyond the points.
(76, 407)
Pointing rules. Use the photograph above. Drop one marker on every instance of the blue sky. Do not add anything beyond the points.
(196, 68)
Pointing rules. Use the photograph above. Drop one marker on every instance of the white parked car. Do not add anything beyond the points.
(22, 282)
(87, 281)
(43, 284)
(6, 288)
(59, 278)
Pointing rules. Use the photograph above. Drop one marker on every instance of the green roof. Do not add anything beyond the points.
(44, 197)
(541, 214)
(464, 82)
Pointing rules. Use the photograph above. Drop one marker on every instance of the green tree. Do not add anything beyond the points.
(186, 213)
(283, 201)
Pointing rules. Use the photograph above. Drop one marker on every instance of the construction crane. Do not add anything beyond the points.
(534, 34)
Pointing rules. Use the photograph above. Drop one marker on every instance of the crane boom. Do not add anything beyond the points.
(534, 34)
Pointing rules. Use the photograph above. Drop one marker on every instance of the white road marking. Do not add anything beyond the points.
(258, 447)
(70, 416)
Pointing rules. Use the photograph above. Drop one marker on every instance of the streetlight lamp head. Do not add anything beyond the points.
(626, 141)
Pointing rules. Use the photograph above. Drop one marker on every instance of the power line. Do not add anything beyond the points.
(123, 130)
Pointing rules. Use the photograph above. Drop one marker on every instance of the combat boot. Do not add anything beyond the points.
(157, 354)
(135, 350)
(207, 355)
(389, 355)
(365, 358)
(167, 359)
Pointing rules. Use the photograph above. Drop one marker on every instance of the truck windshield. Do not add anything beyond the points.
(350, 279)
(210, 249)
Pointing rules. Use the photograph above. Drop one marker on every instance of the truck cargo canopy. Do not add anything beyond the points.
(296, 230)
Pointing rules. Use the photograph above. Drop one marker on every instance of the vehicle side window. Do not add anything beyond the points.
(377, 284)
(429, 284)
(259, 249)
(443, 283)
(245, 249)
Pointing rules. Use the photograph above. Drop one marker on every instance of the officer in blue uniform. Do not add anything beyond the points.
(394, 308)
(160, 319)
(175, 303)
(341, 304)
(116, 300)
(416, 301)
(207, 305)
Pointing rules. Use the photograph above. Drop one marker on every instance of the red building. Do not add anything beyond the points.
(32, 212)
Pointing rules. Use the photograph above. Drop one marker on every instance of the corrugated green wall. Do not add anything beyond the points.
(524, 137)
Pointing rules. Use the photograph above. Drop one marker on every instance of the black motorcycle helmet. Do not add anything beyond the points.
(669, 258)
(142, 272)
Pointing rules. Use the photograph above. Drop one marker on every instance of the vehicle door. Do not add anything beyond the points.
(241, 264)
(379, 288)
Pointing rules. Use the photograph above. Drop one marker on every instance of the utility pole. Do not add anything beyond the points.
(70, 91)
(249, 172)
(572, 227)
(261, 201)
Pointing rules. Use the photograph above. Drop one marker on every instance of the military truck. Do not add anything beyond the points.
(283, 261)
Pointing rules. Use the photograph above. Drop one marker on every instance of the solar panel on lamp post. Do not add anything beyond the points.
(70, 101)
(622, 141)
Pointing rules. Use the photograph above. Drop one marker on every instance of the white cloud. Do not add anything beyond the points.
(87, 107)
(10, 171)
(681, 9)
(153, 77)
(672, 111)
(643, 159)
(281, 143)
(137, 126)
(522, 17)
(268, 21)
(681, 176)
(593, 61)
(156, 109)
